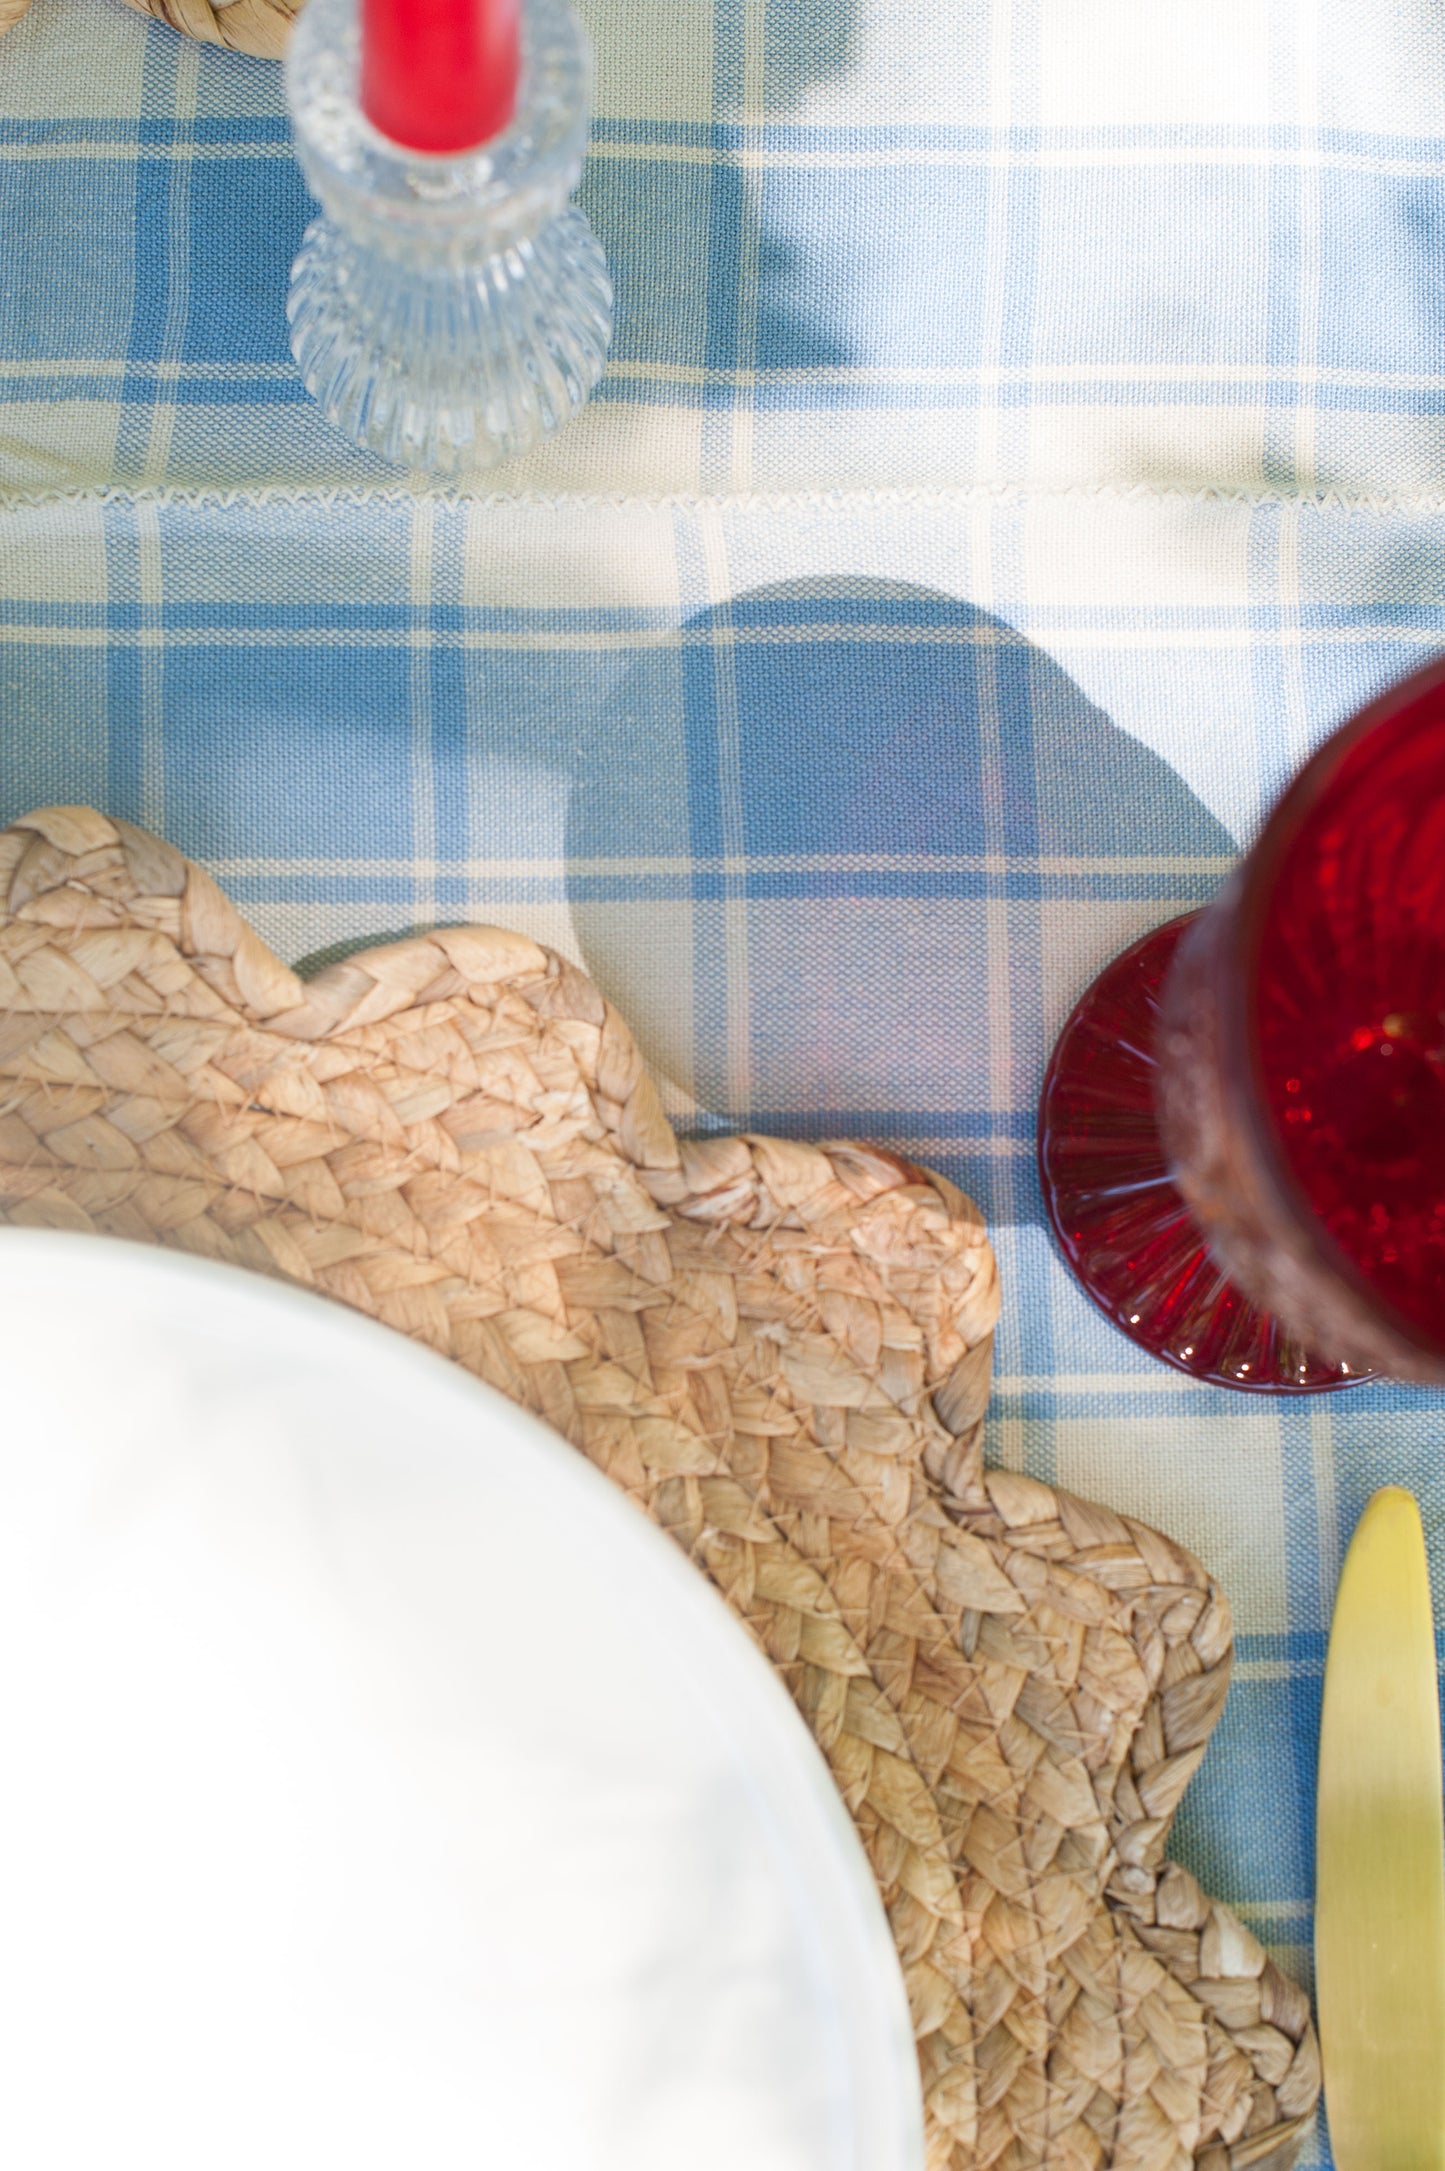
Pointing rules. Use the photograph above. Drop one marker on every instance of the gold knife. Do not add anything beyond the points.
(1380, 1855)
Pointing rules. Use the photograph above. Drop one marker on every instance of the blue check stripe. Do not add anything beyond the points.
(1004, 475)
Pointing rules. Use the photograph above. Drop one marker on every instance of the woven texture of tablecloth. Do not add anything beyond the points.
(1025, 437)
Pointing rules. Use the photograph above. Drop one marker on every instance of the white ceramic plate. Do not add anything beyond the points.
(379, 1788)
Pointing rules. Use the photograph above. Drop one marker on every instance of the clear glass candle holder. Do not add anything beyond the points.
(446, 312)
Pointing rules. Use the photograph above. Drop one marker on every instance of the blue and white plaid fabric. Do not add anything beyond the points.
(1025, 437)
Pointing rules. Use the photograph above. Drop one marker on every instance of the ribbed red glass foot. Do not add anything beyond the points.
(1120, 1222)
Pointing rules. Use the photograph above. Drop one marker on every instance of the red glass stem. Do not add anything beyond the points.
(1295, 1047)
(1229, 1166)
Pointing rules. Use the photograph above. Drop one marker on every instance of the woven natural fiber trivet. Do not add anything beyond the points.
(782, 1352)
(247, 26)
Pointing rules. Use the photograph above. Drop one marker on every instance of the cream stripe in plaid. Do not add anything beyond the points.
(1023, 438)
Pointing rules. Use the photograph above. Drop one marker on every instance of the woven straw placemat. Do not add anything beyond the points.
(247, 26)
(781, 1352)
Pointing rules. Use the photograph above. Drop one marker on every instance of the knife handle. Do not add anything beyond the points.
(1380, 1855)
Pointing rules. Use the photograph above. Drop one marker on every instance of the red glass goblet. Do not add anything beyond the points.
(1242, 1134)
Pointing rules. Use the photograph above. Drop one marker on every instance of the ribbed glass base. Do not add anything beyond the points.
(1120, 1222)
(450, 368)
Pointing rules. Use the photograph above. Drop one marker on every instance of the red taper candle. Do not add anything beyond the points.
(440, 75)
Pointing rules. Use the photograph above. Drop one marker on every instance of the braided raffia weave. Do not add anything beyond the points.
(782, 1353)
(247, 26)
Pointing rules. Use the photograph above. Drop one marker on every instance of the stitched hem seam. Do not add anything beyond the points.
(842, 500)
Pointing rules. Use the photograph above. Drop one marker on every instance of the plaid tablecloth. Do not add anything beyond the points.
(1025, 437)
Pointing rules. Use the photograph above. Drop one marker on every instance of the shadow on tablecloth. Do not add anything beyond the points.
(911, 840)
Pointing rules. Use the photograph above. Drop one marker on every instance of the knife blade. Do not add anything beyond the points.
(1380, 1855)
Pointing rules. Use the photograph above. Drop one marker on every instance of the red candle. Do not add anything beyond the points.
(440, 75)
